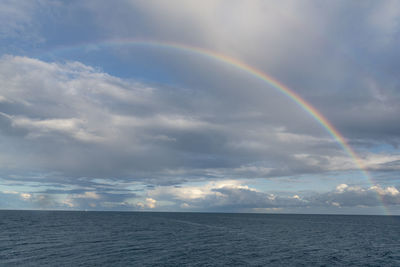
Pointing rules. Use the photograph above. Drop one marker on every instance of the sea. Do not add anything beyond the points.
(78, 238)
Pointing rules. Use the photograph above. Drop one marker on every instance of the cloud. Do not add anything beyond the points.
(25, 196)
(235, 196)
(319, 50)
(333, 47)
(149, 203)
(16, 18)
(24, 200)
(225, 195)
(165, 118)
(70, 120)
(105, 126)
(88, 195)
(222, 196)
(353, 196)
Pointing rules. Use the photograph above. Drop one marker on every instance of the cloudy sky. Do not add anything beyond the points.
(89, 121)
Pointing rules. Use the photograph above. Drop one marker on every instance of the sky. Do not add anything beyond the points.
(98, 111)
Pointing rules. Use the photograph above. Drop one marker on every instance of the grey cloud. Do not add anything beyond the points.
(73, 124)
(340, 56)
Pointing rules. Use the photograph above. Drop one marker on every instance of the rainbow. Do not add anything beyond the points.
(303, 104)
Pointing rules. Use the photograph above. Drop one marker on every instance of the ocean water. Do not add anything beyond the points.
(55, 238)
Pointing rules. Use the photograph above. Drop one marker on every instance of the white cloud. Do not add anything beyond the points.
(381, 161)
(225, 195)
(68, 202)
(151, 203)
(9, 192)
(198, 192)
(185, 205)
(25, 196)
(336, 204)
(340, 188)
(390, 190)
(87, 195)
(351, 196)
(239, 197)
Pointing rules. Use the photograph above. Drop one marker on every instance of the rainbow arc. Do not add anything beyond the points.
(303, 104)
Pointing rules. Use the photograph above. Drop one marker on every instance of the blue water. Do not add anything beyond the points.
(49, 238)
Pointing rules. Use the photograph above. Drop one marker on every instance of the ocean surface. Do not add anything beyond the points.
(61, 238)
